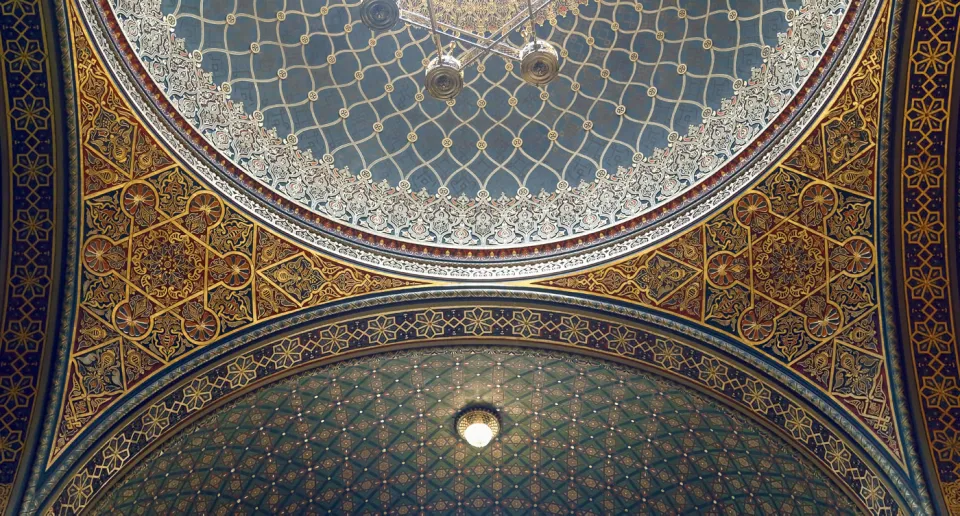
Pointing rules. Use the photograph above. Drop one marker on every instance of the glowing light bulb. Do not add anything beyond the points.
(478, 435)
(478, 427)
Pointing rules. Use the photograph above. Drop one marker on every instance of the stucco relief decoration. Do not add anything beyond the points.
(711, 372)
(928, 270)
(785, 264)
(169, 265)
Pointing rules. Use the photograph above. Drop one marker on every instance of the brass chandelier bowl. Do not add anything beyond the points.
(539, 62)
(444, 77)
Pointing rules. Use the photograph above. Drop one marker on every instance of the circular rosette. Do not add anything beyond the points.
(816, 204)
(825, 321)
(855, 257)
(101, 255)
(724, 269)
(199, 324)
(233, 270)
(205, 211)
(753, 211)
(140, 203)
(133, 317)
(756, 326)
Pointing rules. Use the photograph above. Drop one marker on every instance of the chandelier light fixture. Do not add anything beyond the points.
(466, 21)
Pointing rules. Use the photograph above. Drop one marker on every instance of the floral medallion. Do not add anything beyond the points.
(789, 263)
(168, 264)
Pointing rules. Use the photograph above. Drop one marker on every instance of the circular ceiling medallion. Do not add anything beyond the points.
(658, 113)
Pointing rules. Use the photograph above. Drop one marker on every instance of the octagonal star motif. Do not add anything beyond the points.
(789, 263)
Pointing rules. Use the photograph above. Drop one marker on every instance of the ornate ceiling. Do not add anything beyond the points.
(656, 105)
(324, 78)
(375, 436)
(212, 209)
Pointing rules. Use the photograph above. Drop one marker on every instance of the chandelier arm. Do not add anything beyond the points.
(417, 20)
(490, 48)
(533, 25)
(478, 50)
(483, 50)
(512, 25)
(434, 31)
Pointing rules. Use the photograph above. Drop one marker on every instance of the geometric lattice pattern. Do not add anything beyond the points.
(30, 166)
(377, 435)
(168, 266)
(262, 362)
(119, 158)
(316, 72)
(927, 271)
(791, 267)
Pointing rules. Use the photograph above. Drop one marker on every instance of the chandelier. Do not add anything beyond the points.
(464, 21)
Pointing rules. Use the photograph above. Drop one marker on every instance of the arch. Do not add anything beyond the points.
(317, 342)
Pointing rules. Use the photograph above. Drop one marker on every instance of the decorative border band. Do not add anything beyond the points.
(30, 163)
(929, 334)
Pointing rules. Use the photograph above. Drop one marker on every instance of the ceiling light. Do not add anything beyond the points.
(380, 15)
(478, 426)
(539, 63)
(444, 79)
(444, 74)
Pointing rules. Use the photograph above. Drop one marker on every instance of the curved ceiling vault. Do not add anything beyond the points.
(252, 264)
(374, 435)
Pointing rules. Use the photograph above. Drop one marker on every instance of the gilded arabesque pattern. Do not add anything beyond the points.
(450, 218)
(32, 162)
(557, 326)
(167, 266)
(930, 334)
(790, 268)
(924, 164)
